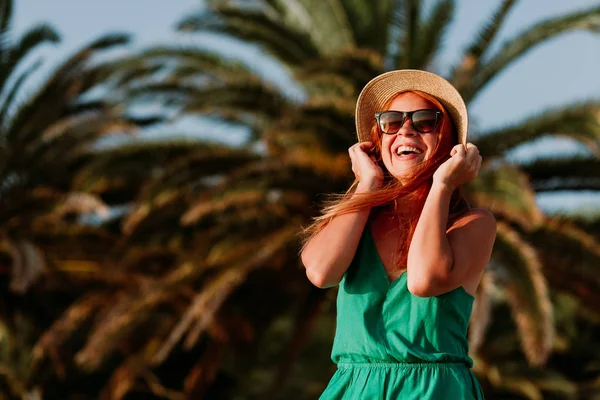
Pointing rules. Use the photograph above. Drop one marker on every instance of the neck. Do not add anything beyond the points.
(398, 209)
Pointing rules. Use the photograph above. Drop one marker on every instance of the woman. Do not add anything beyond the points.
(404, 246)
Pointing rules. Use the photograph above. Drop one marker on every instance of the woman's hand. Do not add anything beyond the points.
(462, 166)
(365, 168)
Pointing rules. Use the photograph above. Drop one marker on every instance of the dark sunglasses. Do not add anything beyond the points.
(423, 121)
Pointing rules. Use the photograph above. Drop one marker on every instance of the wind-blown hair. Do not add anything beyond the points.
(393, 192)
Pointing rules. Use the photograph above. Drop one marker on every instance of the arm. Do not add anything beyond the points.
(441, 260)
(328, 254)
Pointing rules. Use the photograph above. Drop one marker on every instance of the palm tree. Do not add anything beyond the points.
(223, 221)
(46, 136)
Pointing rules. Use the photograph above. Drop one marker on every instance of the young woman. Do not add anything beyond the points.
(404, 247)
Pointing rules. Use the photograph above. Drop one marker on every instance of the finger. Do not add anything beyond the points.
(454, 150)
(366, 147)
(458, 150)
(470, 146)
(473, 153)
(474, 162)
(358, 155)
(352, 153)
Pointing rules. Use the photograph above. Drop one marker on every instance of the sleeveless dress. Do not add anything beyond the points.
(390, 344)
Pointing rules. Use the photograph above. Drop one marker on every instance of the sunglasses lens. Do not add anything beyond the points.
(390, 122)
(424, 121)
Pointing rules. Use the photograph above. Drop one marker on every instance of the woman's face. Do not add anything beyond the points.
(404, 150)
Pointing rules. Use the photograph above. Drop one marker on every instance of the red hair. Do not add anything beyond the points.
(415, 191)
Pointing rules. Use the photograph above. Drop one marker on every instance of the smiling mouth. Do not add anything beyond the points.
(408, 151)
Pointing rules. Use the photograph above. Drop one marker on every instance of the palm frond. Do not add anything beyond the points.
(462, 74)
(514, 48)
(21, 204)
(82, 203)
(304, 323)
(533, 382)
(199, 60)
(175, 64)
(293, 12)
(74, 136)
(27, 265)
(355, 66)
(577, 173)
(517, 269)
(14, 53)
(369, 23)
(248, 96)
(18, 332)
(123, 379)
(65, 85)
(578, 121)
(505, 190)
(172, 188)
(242, 199)
(292, 174)
(113, 323)
(107, 41)
(395, 28)
(571, 256)
(588, 222)
(327, 22)
(48, 345)
(207, 303)
(90, 274)
(325, 117)
(482, 313)
(330, 29)
(408, 44)
(203, 373)
(118, 173)
(132, 310)
(203, 168)
(14, 91)
(30, 40)
(243, 96)
(72, 247)
(6, 14)
(431, 33)
(286, 43)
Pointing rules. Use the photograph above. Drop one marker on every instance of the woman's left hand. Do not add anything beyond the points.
(462, 166)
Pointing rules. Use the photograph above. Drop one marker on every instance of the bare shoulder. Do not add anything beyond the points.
(477, 220)
(472, 238)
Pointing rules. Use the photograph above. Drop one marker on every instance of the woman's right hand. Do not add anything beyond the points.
(365, 168)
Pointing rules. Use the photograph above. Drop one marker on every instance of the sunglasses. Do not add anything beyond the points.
(423, 121)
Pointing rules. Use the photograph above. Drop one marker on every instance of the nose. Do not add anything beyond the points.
(407, 129)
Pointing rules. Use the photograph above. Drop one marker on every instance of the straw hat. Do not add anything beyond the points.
(383, 87)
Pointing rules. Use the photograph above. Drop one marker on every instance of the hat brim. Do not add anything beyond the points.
(383, 87)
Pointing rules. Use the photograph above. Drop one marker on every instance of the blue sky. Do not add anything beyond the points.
(561, 71)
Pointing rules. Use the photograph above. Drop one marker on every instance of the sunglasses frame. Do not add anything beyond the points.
(409, 114)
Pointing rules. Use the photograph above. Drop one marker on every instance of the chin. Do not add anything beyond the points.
(405, 169)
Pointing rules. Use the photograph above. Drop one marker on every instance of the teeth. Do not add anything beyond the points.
(402, 149)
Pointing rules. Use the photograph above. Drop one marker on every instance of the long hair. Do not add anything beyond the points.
(393, 192)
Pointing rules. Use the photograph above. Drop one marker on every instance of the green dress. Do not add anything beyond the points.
(390, 344)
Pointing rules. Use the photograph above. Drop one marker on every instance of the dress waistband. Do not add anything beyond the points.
(401, 365)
